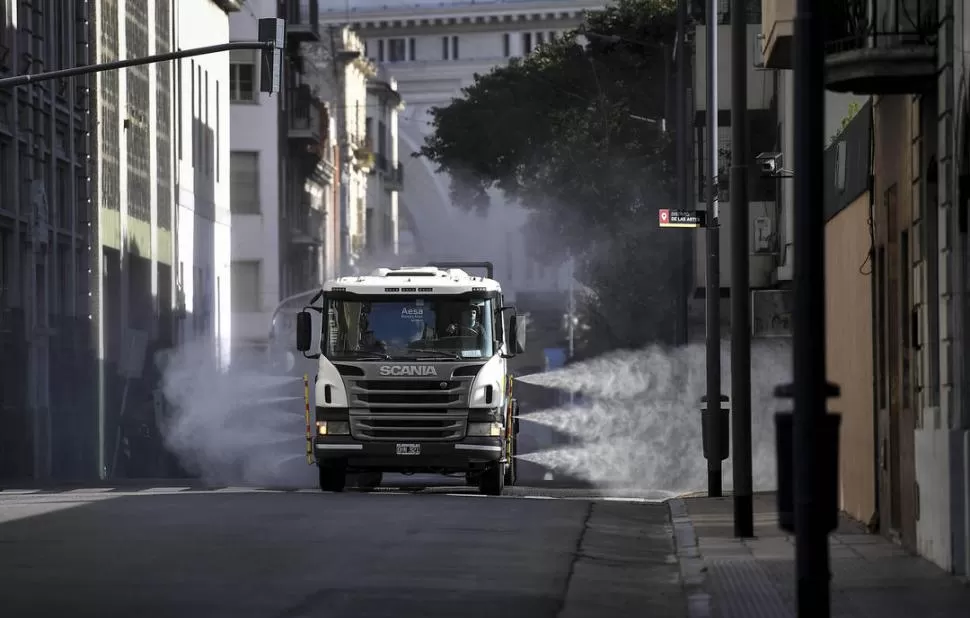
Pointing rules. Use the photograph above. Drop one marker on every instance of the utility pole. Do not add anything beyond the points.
(815, 432)
(713, 287)
(683, 192)
(740, 294)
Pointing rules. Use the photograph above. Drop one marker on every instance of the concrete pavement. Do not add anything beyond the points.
(754, 578)
(189, 551)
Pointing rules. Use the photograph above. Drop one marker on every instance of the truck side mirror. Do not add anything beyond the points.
(516, 335)
(304, 331)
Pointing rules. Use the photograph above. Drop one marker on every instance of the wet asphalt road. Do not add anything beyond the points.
(183, 552)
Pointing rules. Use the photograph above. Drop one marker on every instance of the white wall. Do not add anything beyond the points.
(203, 240)
(254, 127)
(759, 82)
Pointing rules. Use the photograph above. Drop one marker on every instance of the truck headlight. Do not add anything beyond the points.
(485, 430)
(333, 428)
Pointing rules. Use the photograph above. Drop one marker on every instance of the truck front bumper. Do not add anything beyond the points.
(457, 456)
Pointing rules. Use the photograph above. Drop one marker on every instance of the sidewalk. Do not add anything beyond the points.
(733, 578)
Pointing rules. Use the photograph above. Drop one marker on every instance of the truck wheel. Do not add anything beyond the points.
(510, 472)
(332, 477)
(492, 481)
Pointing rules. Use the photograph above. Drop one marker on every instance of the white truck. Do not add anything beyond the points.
(412, 376)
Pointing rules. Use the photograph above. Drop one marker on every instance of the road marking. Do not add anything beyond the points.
(162, 490)
(91, 490)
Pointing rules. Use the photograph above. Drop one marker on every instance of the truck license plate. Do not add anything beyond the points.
(408, 449)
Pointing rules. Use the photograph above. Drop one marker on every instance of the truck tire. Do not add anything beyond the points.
(512, 465)
(492, 481)
(510, 469)
(332, 477)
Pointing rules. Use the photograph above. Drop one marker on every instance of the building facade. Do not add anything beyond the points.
(283, 169)
(202, 181)
(919, 491)
(47, 237)
(384, 104)
(356, 148)
(162, 226)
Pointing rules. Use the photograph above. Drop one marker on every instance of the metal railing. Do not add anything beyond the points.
(303, 111)
(868, 24)
(302, 13)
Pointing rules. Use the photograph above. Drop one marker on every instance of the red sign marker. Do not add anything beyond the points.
(664, 216)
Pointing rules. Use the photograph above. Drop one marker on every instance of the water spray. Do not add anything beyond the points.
(638, 423)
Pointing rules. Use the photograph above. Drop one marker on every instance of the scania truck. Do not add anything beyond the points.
(412, 376)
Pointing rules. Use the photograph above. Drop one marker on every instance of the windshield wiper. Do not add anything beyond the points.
(440, 353)
(366, 354)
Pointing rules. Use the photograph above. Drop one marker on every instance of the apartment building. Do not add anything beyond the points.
(47, 238)
(911, 59)
(286, 213)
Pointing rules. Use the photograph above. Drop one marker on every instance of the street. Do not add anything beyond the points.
(180, 551)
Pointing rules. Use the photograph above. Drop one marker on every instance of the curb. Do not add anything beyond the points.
(693, 573)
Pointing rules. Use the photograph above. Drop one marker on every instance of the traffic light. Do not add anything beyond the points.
(271, 30)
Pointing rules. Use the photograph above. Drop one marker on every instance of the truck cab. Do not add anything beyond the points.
(412, 376)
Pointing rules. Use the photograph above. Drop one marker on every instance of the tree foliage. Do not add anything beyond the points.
(563, 132)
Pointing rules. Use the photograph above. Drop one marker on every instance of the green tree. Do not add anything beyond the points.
(563, 132)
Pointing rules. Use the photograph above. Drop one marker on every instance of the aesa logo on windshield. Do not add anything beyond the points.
(408, 370)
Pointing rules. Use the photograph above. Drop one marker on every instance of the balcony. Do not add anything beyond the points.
(307, 226)
(364, 158)
(881, 47)
(303, 117)
(777, 27)
(394, 178)
(301, 21)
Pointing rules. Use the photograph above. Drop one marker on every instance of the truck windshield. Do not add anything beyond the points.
(439, 327)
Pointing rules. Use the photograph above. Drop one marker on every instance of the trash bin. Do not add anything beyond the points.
(723, 448)
(827, 458)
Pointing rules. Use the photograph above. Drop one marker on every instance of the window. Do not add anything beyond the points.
(180, 96)
(218, 127)
(206, 137)
(540, 38)
(396, 50)
(244, 183)
(526, 43)
(192, 116)
(454, 48)
(409, 327)
(412, 49)
(506, 45)
(380, 50)
(444, 48)
(245, 284)
(242, 75)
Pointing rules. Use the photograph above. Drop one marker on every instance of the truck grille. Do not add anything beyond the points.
(408, 427)
(406, 392)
